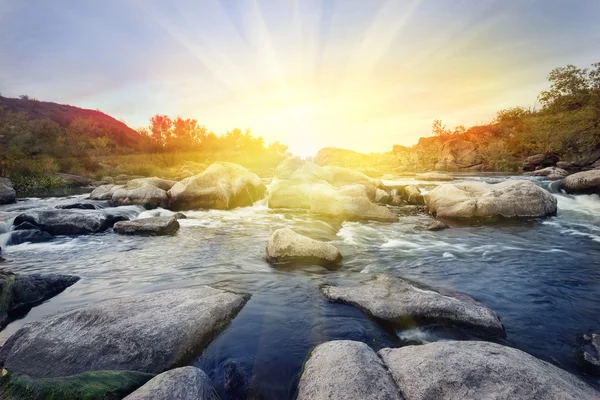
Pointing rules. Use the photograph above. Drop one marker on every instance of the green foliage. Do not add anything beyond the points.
(95, 385)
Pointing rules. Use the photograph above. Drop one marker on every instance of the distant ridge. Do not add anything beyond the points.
(64, 114)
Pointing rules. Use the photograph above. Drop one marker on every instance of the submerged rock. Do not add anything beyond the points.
(433, 176)
(348, 370)
(519, 198)
(145, 333)
(286, 245)
(185, 383)
(588, 355)
(21, 292)
(156, 226)
(586, 182)
(221, 186)
(7, 191)
(21, 236)
(479, 370)
(552, 173)
(69, 222)
(401, 303)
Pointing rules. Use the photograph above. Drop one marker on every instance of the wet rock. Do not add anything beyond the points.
(588, 355)
(76, 206)
(180, 215)
(145, 333)
(7, 191)
(147, 195)
(285, 245)
(221, 186)
(157, 226)
(401, 303)
(383, 197)
(28, 236)
(24, 226)
(21, 292)
(437, 226)
(104, 192)
(518, 198)
(348, 370)
(567, 166)
(479, 370)
(552, 173)
(434, 176)
(586, 182)
(185, 383)
(69, 222)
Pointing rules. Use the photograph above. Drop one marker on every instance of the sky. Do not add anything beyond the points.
(356, 74)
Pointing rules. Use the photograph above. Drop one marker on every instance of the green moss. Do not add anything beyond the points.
(94, 385)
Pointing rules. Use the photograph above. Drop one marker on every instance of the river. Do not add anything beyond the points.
(541, 276)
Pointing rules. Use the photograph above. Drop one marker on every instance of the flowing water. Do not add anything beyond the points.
(541, 276)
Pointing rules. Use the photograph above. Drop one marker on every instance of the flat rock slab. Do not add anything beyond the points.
(185, 383)
(348, 370)
(285, 245)
(69, 222)
(144, 333)
(401, 303)
(479, 370)
(156, 226)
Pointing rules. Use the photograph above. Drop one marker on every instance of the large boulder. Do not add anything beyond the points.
(144, 333)
(185, 383)
(70, 222)
(156, 226)
(552, 173)
(21, 292)
(540, 160)
(21, 236)
(221, 186)
(402, 304)
(285, 245)
(147, 192)
(479, 370)
(588, 355)
(105, 192)
(586, 182)
(7, 191)
(346, 370)
(516, 198)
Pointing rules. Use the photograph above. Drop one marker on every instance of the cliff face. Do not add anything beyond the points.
(459, 155)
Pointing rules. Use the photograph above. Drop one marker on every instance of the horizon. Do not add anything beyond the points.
(356, 76)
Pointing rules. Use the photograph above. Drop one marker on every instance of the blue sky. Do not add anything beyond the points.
(362, 75)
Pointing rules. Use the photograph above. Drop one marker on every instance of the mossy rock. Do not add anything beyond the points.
(94, 385)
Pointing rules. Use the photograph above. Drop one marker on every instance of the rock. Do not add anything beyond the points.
(148, 333)
(122, 179)
(588, 160)
(290, 193)
(7, 191)
(479, 370)
(412, 195)
(518, 198)
(567, 166)
(348, 203)
(401, 303)
(586, 182)
(459, 155)
(348, 370)
(383, 197)
(163, 184)
(157, 226)
(104, 192)
(28, 236)
(437, 226)
(185, 383)
(24, 226)
(285, 245)
(69, 222)
(221, 186)
(76, 206)
(552, 173)
(147, 195)
(588, 355)
(397, 201)
(433, 176)
(180, 215)
(108, 179)
(75, 180)
(22, 292)
(540, 160)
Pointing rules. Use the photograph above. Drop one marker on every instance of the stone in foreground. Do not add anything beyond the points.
(69, 222)
(21, 292)
(346, 370)
(401, 303)
(144, 333)
(185, 383)
(586, 182)
(156, 226)
(7, 191)
(479, 370)
(588, 355)
(285, 245)
(509, 199)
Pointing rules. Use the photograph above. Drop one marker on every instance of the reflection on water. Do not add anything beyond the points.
(542, 277)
